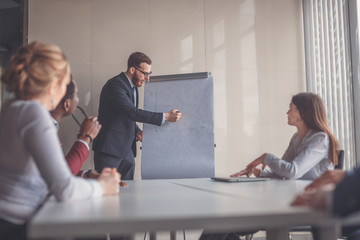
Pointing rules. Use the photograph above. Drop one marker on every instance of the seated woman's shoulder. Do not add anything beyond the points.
(318, 133)
(318, 136)
(27, 109)
(25, 105)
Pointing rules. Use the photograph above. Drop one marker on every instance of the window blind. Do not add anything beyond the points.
(328, 67)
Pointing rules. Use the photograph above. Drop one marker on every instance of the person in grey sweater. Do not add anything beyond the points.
(312, 150)
(32, 164)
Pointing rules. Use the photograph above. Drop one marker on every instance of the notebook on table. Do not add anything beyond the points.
(238, 179)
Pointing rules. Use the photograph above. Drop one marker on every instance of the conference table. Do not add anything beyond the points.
(175, 204)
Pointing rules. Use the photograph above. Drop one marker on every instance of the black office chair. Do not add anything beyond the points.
(340, 166)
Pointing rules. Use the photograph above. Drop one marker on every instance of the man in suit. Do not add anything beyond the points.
(338, 192)
(115, 145)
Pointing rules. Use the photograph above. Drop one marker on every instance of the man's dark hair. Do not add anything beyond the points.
(137, 58)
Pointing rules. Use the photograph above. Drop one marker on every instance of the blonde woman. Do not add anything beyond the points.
(32, 164)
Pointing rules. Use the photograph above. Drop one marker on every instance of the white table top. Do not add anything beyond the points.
(155, 205)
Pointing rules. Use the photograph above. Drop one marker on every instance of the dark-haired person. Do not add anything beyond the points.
(336, 192)
(311, 152)
(32, 164)
(115, 145)
(312, 149)
(89, 129)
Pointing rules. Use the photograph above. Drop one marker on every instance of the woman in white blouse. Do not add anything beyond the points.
(312, 149)
(32, 164)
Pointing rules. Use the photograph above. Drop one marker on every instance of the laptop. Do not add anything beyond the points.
(239, 179)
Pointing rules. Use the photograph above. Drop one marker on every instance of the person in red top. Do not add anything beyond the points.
(89, 129)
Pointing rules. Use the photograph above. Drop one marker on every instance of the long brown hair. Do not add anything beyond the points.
(312, 112)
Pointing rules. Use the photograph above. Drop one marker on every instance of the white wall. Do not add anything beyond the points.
(254, 49)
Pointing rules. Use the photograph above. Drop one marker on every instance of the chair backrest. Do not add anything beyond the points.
(340, 164)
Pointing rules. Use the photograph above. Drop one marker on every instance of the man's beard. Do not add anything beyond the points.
(136, 80)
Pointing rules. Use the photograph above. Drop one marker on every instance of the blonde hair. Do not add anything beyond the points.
(33, 68)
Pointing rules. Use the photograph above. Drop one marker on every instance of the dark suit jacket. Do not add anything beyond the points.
(346, 198)
(118, 117)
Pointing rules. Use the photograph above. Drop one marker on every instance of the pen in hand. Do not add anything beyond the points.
(173, 115)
